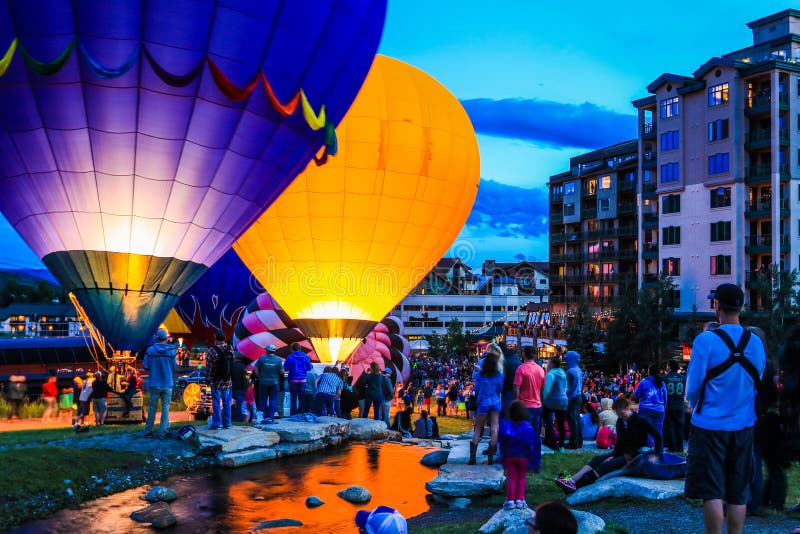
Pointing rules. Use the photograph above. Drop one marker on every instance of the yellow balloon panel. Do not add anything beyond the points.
(349, 239)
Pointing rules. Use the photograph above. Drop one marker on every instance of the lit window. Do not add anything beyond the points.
(669, 107)
(569, 188)
(717, 94)
(605, 182)
(718, 164)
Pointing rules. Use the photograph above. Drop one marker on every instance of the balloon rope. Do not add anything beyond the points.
(95, 334)
(6, 59)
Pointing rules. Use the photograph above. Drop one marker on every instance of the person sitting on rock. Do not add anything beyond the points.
(423, 427)
(632, 434)
(402, 420)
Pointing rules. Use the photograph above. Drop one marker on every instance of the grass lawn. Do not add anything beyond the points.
(38, 469)
(453, 425)
(35, 437)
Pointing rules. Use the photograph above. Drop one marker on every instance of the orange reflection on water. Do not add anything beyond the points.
(391, 472)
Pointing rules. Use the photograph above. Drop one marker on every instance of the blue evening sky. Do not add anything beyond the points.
(542, 82)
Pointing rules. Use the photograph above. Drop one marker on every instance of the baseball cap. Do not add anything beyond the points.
(271, 348)
(161, 334)
(728, 295)
(382, 520)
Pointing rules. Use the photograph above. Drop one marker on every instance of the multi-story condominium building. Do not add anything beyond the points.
(452, 291)
(593, 230)
(719, 167)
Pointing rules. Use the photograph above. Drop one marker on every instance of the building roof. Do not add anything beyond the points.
(29, 310)
(711, 63)
(648, 100)
(772, 18)
(667, 78)
(542, 266)
(618, 149)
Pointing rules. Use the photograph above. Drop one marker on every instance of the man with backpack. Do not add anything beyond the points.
(727, 366)
(269, 370)
(219, 370)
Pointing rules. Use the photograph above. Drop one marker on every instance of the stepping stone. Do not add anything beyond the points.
(295, 431)
(513, 522)
(236, 438)
(643, 488)
(459, 452)
(368, 429)
(435, 458)
(246, 457)
(458, 480)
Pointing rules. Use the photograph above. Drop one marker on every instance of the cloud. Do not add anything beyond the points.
(548, 123)
(506, 223)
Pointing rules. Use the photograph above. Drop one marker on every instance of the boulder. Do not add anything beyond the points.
(457, 480)
(459, 452)
(453, 503)
(628, 487)
(158, 515)
(355, 495)
(278, 523)
(160, 493)
(465, 435)
(450, 437)
(296, 432)
(240, 458)
(313, 502)
(513, 522)
(293, 449)
(368, 429)
(394, 435)
(236, 438)
(435, 458)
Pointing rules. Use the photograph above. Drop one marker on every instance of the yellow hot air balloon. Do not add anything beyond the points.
(348, 240)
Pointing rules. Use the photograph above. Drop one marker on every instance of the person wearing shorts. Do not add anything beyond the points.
(720, 464)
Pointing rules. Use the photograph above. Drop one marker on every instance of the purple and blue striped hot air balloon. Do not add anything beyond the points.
(139, 139)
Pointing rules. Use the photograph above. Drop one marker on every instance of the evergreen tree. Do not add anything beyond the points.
(437, 347)
(582, 333)
(656, 330)
(777, 303)
(455, 340)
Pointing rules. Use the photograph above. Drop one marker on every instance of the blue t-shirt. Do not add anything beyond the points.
(729, 402)
(651, 397)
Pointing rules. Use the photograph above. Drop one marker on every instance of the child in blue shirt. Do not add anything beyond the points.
(518, 452)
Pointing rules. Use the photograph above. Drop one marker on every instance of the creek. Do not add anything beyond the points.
(238, 500)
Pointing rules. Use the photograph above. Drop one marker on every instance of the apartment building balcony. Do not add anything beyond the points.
(626, 208)
(556, 216)
(583, 299)
(610, 278)
(650, 250)
(648, 130)
(762, 209)
(763, 104)
(762, 138)
(588, 213)
(612, 254)
(650, 220)
(762, 174)
(626, 185)
(556, 197)
(567, 279)
(758, 244)
(649, 160)
(567, 258)
(587, 192)
(649, 190)
(649, 279)
(556, 238)
(757, 279)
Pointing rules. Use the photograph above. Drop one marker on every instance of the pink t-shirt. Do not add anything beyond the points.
(530, 379)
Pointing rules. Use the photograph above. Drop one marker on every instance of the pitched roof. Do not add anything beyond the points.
(65, 309)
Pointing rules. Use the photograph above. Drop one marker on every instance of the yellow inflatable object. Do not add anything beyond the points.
(349, 239)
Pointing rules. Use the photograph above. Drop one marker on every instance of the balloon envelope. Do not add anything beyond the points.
(346, 241)
(139, 139)
(218, 299)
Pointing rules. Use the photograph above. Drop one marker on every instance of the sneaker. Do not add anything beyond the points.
(272, 422)
(226, 426)
(509, 505)
(566, 485)
(521, 504)
(213, 427)
(265, 421)
(147, 435)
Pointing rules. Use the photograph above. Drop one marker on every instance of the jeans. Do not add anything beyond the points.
(337, 407)
(550, 431)
(269, 399)
(757, 484)
(165, 395)
(516, 471)
(325, 404)
(386, 406)
(238, 413)
(376, 404)
(535, 417)
(673, 429)
(656, 418)
(297, 397)
(574, 419)
(221, 407)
